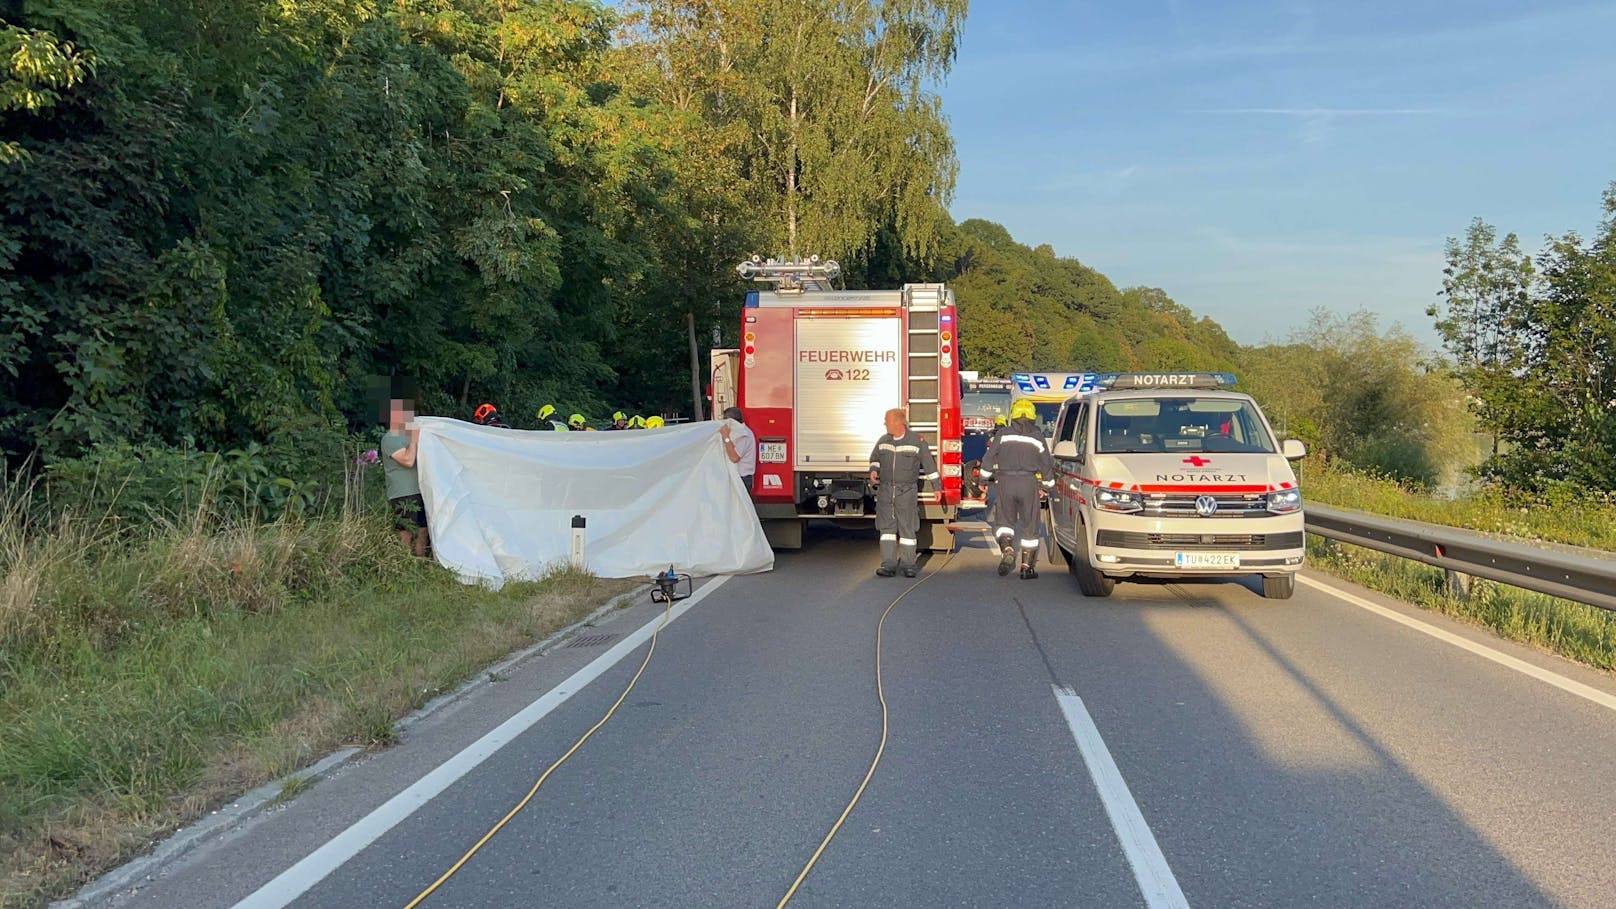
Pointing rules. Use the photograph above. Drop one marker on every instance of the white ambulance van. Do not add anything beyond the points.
(1170, 475)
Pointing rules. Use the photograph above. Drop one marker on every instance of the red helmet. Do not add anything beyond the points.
(483, 412)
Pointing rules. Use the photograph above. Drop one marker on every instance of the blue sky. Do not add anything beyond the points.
(1260, 158)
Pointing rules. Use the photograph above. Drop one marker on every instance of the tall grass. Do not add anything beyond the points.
(1574, 630)
(149, 672)
(1577, 631)
(1559, 515)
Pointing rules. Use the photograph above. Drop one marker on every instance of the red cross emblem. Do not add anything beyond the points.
(1197, 461)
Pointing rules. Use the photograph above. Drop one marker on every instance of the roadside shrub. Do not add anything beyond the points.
(134, 485)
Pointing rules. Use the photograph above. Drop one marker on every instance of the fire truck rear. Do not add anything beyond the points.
(817, 370)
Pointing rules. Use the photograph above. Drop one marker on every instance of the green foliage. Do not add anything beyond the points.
(1560, 513)
(823, 109)
(1355, 393)
(34, 68)
(140, 485)
(1536, 350)
(1024, 308)
(231, 215)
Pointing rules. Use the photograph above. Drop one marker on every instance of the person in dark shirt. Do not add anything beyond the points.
(900, 462)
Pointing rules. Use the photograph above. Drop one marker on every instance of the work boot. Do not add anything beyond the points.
(909, 571)
(1028, 573)
(884, 572)
(1007, 561)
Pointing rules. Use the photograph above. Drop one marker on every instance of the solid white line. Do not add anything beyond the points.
(1587, 692)
(1156, 881)
(296, 880)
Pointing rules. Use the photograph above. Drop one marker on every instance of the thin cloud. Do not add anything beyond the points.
(1315, 123)
(1326, 111)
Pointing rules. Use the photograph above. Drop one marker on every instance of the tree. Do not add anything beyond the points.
(824, 105)
(1565, 427)
(1365, 396)
(1535, 347)
(1486, 289)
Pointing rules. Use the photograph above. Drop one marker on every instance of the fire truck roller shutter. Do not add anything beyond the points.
(848, 375)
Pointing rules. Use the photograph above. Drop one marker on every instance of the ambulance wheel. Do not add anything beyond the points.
(1089, 579)
(1278, 586)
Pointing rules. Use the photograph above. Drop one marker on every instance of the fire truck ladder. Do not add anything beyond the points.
(921, 303)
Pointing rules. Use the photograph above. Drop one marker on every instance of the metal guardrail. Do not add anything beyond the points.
(1585, 575)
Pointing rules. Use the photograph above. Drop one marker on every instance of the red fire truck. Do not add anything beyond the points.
(817, 370)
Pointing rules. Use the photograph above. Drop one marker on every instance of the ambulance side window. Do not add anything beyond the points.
(1072, 427)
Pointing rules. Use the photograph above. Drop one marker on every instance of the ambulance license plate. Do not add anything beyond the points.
(1206, 560)
(772, 453)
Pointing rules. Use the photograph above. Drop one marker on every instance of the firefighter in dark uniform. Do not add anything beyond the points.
(1019, 463)
(990, 496)
(899, 463)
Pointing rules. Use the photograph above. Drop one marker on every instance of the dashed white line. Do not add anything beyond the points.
(298, 879)
(1156, 882)
(1587, 692)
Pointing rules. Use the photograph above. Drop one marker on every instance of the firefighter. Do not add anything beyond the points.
(488, 415)
(619, 421)
(899, 463)
(990, 493)
(653, 422)
(547, 419)
(577, 423)
(1019, 463)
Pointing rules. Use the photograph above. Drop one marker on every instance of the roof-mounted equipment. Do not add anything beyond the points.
(1124, 380)
(791, 276)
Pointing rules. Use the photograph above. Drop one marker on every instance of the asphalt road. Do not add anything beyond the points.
(1307, 752)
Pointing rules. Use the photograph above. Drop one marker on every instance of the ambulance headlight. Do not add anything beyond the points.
(1285, 501)
(1117, 500)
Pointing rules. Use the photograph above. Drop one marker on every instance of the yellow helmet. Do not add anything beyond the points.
(999, 420)
(653, 422)
(576, 419)
(546, 410)
(1022, 409)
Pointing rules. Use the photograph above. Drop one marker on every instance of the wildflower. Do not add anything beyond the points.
(368, 456)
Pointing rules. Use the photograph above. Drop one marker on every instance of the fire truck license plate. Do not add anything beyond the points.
(772, 453)
(1206, 559)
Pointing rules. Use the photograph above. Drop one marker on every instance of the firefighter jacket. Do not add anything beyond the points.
(904, 461)
(1020, 450)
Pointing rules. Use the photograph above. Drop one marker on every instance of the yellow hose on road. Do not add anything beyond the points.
(880, 695)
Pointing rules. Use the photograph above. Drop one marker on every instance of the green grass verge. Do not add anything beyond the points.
(1573, 517)
(1583, 633)
(145, 681)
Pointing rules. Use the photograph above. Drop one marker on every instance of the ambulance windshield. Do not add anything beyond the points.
(1047, 412)
(1182, 424)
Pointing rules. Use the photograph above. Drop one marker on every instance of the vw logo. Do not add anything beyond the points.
(1206, 506)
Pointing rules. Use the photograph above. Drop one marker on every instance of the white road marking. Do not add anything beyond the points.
(298, 879)
(1587, 692)
(1156, 881)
